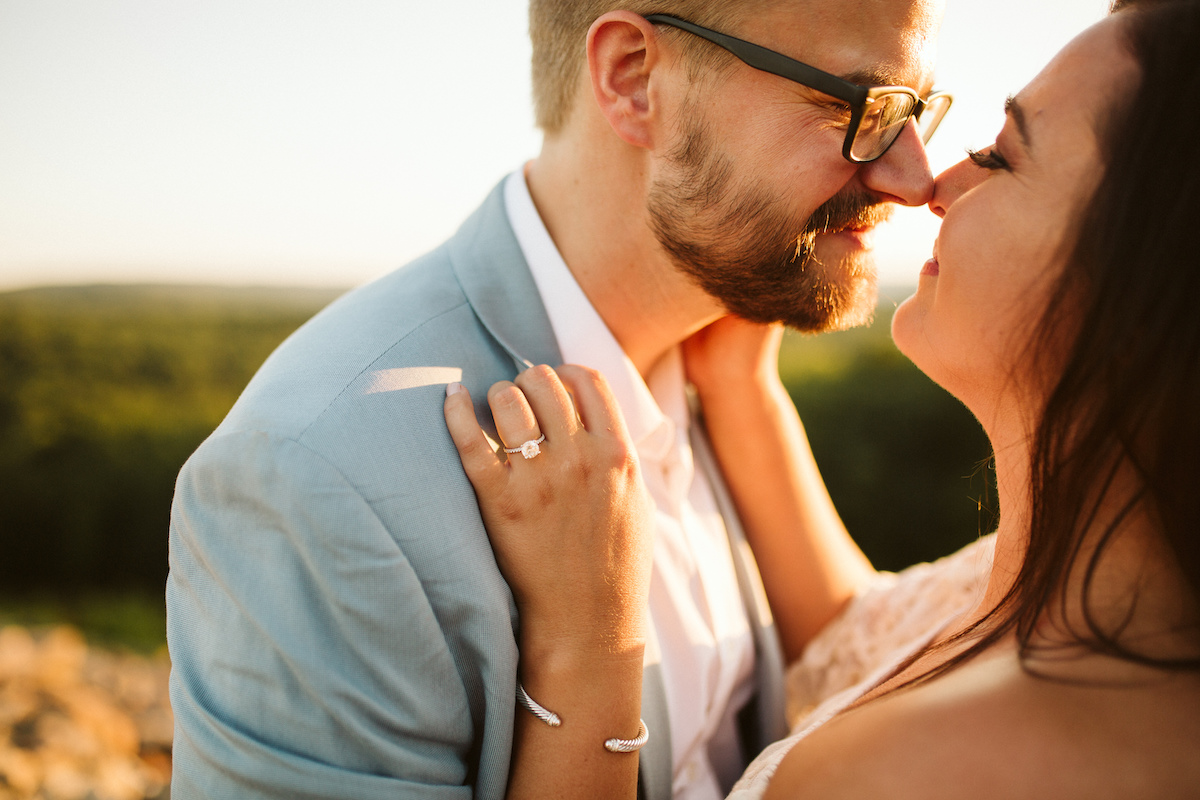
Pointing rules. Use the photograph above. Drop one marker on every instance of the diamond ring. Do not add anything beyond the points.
(528, 449)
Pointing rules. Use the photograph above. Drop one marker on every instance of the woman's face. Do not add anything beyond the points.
(1008, 212)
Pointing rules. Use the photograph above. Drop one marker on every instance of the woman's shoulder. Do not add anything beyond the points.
(898, 605)
(989, 729)
(893, 617)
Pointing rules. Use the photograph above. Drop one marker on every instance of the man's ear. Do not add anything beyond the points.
(622, 52)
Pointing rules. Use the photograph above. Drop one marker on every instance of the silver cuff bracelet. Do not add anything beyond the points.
(553, 720)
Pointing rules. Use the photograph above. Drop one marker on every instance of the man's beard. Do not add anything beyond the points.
(734, 243)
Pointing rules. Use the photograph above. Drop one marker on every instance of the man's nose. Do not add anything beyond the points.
(902, 174)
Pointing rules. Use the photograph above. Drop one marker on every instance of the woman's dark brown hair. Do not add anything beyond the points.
(1129, 394)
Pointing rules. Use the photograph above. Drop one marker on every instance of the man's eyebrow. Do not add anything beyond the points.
(872, 77)
(883, 77)
(1013, 109)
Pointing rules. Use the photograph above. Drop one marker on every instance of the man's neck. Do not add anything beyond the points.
(594, 209)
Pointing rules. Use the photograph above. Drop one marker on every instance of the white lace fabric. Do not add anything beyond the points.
(886, 623)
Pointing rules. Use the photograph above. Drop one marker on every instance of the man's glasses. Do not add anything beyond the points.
(878, 114)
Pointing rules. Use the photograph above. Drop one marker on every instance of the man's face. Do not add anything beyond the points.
(754, 201)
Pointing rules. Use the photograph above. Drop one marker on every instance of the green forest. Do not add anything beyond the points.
(106, 390)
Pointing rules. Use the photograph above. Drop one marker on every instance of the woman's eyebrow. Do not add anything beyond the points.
(1013, 109)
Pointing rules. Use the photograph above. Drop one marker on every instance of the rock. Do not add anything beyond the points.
(79, 723)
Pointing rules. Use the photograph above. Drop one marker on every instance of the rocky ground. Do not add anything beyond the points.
(78, 723)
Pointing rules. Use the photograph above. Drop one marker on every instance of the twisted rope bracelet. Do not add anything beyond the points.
(613, 745)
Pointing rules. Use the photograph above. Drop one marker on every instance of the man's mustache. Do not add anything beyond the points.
(841, 212)
(848, 212)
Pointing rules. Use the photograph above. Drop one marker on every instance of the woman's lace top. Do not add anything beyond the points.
(885, 624)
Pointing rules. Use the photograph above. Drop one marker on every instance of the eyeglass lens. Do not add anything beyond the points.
(935, 110)
(884, 119)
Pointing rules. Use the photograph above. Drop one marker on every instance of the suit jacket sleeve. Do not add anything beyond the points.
(309, 659)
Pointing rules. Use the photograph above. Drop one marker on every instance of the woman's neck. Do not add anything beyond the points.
(1011, 450)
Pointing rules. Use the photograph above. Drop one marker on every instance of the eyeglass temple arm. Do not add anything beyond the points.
(769, 61)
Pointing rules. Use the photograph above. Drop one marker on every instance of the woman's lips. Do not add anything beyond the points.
(930, 267)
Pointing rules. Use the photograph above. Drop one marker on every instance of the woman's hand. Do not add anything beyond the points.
(732, 356)
(572, 526)
(572, 531)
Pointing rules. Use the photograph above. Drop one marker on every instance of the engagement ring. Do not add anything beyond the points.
(528, 449)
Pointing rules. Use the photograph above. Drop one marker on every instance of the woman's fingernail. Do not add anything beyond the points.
(454, 388)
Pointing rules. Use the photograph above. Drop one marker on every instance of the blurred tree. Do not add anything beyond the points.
(105, 392)
(905, 462)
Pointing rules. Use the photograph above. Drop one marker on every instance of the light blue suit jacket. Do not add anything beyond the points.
(337, 624)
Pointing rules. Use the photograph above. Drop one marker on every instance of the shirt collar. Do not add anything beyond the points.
(583, 338)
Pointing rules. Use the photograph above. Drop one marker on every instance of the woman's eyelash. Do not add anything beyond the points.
(989, 160)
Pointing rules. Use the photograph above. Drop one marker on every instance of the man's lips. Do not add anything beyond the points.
(857, 230)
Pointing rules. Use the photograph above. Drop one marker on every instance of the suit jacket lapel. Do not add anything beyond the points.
(656, 759)
(493, 274)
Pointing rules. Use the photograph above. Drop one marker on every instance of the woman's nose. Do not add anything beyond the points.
(951, 184)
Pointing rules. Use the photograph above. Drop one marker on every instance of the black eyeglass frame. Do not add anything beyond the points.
(856, 95)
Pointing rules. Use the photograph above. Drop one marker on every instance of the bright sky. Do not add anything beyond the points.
(313, 142)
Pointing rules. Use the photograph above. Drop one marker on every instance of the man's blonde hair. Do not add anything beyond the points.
(558, 29)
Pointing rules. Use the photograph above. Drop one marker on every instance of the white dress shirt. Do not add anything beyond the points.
(695, 604)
